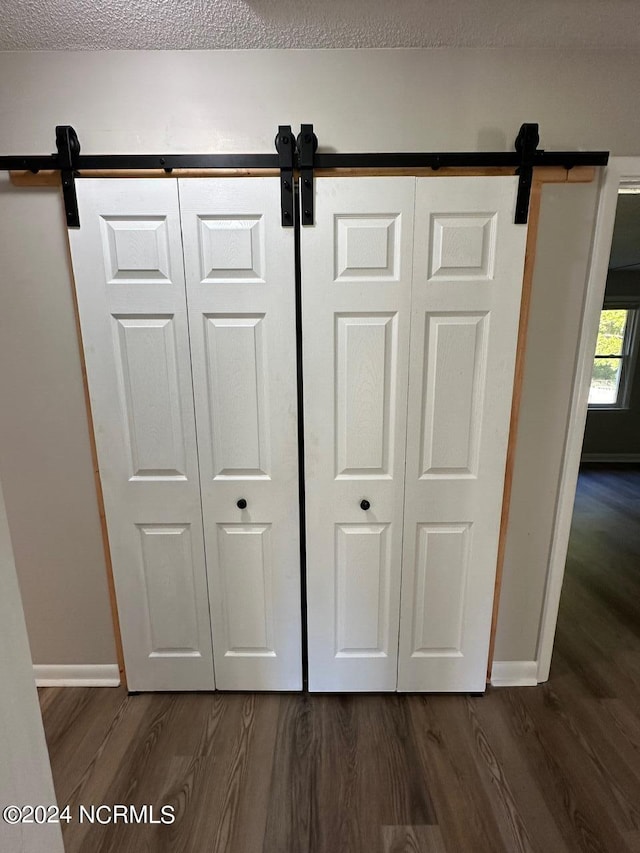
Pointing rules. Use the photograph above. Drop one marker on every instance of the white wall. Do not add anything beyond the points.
(25, 772)
(564, 241)
(445, 99)
(45, 458)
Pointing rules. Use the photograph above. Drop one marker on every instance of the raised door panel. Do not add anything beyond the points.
(136, 249)
(362, 590)
(169, 568)
(356, 291)
(240, 273)
(146, 361)
(237, 398)
(245, 555)
(442, 562)
(468, 267)
(128, 270)
(453, 393)
(232, 248)
(365, 392)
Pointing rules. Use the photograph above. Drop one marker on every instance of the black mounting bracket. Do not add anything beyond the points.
(68, 147)
(285, 146)
(526, 146)
(307, 146)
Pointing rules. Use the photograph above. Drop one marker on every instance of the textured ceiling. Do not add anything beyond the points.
(209, 24)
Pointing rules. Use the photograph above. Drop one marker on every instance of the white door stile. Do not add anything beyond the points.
(240, 277)
(128, 269)
(356, 296)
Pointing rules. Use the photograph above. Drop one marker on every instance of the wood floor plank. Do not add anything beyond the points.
(236, 778)
(573, 798)
(77, 722)
(255, 792)
(473, 745)
(511, 819)
(92, 786)
(340, 775)
(626, 723)
(293, 820)
(200, 786)
(612, 806)
(397, 792)
(535, 814)
(605, 748)
(412, 839)
(632, 840)
(557, 787)
(463, 813)
(136, 783)
(48, 696)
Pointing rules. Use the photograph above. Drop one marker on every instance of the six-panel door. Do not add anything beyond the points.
(240, 275)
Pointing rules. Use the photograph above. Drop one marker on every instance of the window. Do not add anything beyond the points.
(612, 367)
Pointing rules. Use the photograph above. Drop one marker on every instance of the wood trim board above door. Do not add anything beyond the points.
(555, 175)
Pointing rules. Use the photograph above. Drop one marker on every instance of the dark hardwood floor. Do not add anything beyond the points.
(552, 768)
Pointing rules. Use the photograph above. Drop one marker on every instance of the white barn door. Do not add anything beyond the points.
(356, 292)
(436, 400)
(410, 296)
(467, 283)
(127, 262)
(240, 275)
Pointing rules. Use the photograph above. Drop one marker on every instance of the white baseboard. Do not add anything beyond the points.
(505, 673)
(514, 673)
(77, 675)
(610, 457)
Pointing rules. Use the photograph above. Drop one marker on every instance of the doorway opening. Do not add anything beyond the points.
(598, 628)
